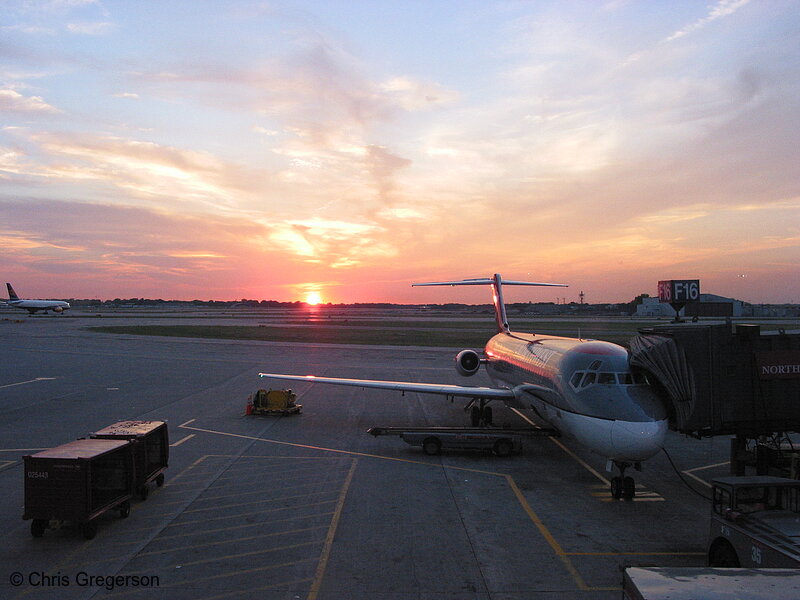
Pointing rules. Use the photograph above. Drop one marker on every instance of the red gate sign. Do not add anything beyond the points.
(779, 364)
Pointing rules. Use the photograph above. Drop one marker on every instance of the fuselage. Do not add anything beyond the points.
(33, 306)
(583, 388)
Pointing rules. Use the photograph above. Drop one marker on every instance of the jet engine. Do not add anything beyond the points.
(468, 362)
(58, 309)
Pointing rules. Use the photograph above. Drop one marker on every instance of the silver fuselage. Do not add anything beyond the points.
(582, 388)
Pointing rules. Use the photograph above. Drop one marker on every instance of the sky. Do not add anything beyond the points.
(271, 150)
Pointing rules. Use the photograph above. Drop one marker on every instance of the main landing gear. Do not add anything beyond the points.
(480, 414)
(621, 486)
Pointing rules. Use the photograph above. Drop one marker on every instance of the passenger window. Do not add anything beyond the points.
(606, 379)
(589, 379)
(576, 379)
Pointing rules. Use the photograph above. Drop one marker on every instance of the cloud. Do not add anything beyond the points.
(13, 102)
(722, 8)
(91, 28)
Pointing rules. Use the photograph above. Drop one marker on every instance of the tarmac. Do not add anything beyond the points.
(311, 506)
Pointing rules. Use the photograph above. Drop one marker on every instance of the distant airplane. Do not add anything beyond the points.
(583, 388)
(57, 306)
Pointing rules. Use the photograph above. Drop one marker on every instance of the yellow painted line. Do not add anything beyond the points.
(579, 460)
(326, 551)
(180, 441)
(546, 534)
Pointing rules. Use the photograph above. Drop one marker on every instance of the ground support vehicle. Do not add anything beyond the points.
(755, 522)
(503, 442)
(78, 482)
(692, 583)
(150, 449)
(273, 402)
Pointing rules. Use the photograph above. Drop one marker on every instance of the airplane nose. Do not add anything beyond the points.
(635, 441)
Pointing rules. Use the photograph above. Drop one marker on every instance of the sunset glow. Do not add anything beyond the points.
(274, 150)
(313, 298)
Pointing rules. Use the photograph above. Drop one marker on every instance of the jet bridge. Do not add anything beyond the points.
(724, 379)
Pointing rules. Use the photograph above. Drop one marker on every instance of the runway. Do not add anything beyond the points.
(311, 506)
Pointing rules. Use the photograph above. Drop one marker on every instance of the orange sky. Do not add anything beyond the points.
(180, 151)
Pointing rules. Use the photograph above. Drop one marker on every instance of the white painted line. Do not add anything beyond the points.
(696, 478)
(722, 464)
(29, 381)
(187, 422)
(179, 442)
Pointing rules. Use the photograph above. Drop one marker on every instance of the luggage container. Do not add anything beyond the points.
(150, 449)
(78, 482)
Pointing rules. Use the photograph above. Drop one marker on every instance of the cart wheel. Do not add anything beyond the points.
(160, 479)
(124, 510)
(38, 526)
(431, 446)
(616, 488)
(503, 447)
(722, 554)
(89, 530)
(144, 492)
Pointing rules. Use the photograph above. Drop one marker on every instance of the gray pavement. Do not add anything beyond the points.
(311, 506)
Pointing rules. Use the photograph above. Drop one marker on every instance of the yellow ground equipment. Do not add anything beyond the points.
(273, 402)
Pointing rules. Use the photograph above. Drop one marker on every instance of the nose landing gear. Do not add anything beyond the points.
(622, 486)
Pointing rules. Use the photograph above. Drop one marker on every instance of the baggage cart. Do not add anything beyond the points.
(78, 482)
(150, 449)
(273, 402)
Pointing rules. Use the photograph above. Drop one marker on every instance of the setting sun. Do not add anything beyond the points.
(313, 298)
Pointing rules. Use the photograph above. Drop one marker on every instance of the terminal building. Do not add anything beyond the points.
(709, 305)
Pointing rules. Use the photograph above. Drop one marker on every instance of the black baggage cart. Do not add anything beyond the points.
(151, 449)
(78, 482)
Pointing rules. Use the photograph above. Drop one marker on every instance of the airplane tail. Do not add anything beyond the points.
(12, 295)
(497, 293)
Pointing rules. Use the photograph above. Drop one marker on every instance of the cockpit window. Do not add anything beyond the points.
(606, 378)
(595, 365)
(576, 379)
(582, 379)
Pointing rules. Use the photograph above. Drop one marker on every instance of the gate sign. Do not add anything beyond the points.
(679, 290)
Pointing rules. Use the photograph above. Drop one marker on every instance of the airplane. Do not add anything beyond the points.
(585, 389)
(57, 306)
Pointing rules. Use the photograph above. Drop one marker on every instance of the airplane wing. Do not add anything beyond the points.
(402, 386)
